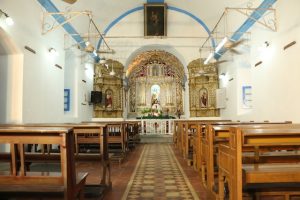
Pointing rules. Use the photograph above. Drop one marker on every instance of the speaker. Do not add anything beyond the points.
(96, 96)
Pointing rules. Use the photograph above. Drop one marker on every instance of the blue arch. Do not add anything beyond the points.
(170, 8)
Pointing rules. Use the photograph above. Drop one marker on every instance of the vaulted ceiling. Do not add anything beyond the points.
(189, 24)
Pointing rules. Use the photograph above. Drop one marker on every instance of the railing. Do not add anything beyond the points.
(157, 126)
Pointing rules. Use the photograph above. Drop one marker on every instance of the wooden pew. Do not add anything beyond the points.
(187, 134)
(84, 133)
(18, 179)
(117, 137)
(198, 129)
(219, 134)
(132, 131)
(239, 176)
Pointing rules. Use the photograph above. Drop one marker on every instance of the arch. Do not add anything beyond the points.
(160, 56)
(118, 19)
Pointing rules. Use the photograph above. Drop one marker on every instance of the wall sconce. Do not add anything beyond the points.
(222, 76)
(8, 20)
(267, 43)
(53, 52)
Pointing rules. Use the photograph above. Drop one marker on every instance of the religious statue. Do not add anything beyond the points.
(203, 100)
(156, 108)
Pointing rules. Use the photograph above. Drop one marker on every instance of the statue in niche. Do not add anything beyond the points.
(155, 104)
(156, 108)
(203, 98)
(155, 91)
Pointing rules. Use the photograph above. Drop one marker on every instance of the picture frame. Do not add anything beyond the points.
(155, 19)
(203, 93)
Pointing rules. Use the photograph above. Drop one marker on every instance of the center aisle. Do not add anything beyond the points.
(158, 175)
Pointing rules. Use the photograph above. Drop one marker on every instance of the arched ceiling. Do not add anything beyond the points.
(126, 36)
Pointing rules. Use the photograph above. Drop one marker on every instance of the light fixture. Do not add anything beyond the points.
(102, 60)
(8, 20)
(112, 73)
(95, 52)
(222, 76)
(267, 43)
(208, 58)
(53, 52)
(221, 44)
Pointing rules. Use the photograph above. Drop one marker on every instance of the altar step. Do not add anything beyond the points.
(156, 138)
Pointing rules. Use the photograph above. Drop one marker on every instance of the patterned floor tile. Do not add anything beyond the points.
(158, 175)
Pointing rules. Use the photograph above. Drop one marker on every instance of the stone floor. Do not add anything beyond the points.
(156, 138)
(163, 183)
(166, 176)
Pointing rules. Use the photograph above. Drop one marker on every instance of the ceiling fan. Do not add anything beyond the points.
(230, 45)
(70, 1)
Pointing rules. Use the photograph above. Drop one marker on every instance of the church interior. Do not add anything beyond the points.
(152, 99)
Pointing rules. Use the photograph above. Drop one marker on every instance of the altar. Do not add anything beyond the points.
(155, 86)
(157, 126)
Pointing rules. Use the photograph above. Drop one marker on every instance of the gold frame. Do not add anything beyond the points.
(153, 15)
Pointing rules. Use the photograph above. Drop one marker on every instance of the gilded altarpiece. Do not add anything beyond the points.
(109, 80)
(203, 83)
(155, 83)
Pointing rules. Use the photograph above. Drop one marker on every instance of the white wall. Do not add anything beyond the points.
(42, 83)
(276, 81)
(3, 88)
(79, 67)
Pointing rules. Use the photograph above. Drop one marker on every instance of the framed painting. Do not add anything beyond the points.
(155, 20)
(203, 98)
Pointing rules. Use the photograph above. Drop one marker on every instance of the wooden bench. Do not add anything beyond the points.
(183, 137)
(17, 178)
(240, 176)
(84, 134)
(219, 134)
(132, 131)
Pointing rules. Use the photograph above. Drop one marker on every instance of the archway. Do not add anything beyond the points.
(149, 71)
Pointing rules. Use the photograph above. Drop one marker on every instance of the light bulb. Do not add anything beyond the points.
(9, 21)
(53, 52)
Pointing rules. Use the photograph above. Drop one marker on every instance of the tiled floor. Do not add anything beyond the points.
(155, 188)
